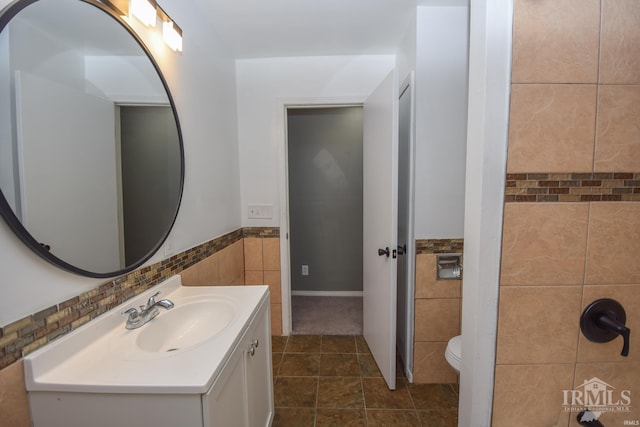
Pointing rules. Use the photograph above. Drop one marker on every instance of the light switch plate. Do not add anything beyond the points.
(260, 211)
(168, 249)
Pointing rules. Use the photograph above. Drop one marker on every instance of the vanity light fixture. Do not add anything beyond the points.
(147, 12)
(144, 10)
(120, 7)
(172, 35)
(171, 32)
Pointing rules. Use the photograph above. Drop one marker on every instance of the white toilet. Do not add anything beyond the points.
(453, 353)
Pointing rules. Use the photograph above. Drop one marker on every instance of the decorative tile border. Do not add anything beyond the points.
(573, 187)
(439, 246)
(260, 232)
(32, 332)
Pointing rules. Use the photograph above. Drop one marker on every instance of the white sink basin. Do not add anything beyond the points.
(180, 351)
(185, 326)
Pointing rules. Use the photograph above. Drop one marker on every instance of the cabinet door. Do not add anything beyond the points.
(225, 404)
(259, 370)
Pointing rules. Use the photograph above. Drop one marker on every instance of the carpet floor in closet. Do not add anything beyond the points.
(319, 315)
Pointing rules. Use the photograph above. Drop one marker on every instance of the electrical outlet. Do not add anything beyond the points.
(305, 270)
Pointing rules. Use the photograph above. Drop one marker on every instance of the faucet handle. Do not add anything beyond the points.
(132, 312)
(152, 299)
(603, 320)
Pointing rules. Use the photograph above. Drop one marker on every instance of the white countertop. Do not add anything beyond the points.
(99, 357)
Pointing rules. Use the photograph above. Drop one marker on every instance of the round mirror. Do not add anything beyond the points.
(91, 160)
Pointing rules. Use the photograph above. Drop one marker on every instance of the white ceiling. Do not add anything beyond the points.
(277, 28)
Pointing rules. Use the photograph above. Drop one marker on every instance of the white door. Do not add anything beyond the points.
(56, 119)
(380, 226)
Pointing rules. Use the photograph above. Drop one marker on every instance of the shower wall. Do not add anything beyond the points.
(571, 230)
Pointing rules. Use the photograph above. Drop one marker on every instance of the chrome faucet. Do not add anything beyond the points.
(147, 312)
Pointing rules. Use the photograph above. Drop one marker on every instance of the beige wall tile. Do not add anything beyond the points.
(204, 273)
(551, 128)
(618, 133)
(544, 243)
(437, 319)
(271, 253)
(254, 278)
(613, 249)
(14, 405)
(620, 46)
(253, 257)
(556, 41)
(538, 324)
(531, 395)
(430, 366)
(231, 262)
(629, 297)
(621, 376)
(427, 285)
(276, 319)
(272, 279)
(551, 131)
(189, 276)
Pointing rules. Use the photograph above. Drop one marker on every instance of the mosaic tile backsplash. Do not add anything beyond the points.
(439, 246)
(32, 332)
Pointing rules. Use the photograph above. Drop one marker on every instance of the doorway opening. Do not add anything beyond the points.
(325, 194)
(148, 174)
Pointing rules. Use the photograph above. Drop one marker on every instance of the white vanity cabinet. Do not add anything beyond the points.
(86, 378)
(259, 373)
(242, 395)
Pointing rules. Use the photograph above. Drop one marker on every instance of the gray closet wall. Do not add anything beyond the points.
(325, 198)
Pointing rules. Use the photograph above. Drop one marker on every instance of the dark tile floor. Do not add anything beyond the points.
(323, 380)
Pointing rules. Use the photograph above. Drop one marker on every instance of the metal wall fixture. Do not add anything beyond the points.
(449, 267)
(603, 320)
(148, 12)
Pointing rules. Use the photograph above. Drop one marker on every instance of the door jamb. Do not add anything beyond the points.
(409, 84)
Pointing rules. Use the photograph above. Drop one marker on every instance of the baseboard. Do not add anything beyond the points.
(327, 293)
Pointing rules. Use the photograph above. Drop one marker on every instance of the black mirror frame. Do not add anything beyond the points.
(7, 212)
